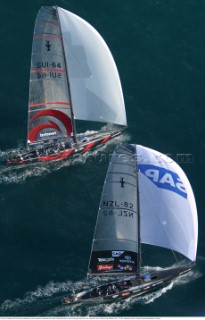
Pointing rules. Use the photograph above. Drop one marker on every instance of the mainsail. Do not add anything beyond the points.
(166, 210)
(115, 245)
(49, 106)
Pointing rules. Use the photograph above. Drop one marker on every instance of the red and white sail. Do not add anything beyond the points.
(49, 106)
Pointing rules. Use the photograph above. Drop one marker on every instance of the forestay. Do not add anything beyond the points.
(167, 204)
(115, 247)
(49, 114)
(94, 81)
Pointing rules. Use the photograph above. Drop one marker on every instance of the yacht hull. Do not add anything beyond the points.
(92, 142)
(136, 287)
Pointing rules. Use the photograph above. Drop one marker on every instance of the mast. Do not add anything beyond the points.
(71, 107)
(139, 260)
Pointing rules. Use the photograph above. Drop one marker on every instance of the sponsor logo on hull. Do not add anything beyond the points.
(124, 294)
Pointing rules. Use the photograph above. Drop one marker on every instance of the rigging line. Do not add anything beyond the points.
(175, 256)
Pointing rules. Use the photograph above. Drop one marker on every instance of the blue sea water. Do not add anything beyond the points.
(48, 211)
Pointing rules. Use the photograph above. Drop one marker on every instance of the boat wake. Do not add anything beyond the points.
(20, 173)
(46, 301)
(37, 301)
(182, 280)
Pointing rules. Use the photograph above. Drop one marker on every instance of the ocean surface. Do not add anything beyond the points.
(48, 211)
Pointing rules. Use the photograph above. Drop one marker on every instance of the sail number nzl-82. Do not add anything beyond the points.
(124, 209)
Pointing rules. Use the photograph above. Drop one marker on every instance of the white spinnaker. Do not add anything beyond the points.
(94, 81)
(168, 208)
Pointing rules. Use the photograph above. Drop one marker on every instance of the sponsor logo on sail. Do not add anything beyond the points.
(117, 254)
(163, 178)
(48, 134)
(127, 258)
(104, 267)
(126, 268)
(106, 260)
(126, 261)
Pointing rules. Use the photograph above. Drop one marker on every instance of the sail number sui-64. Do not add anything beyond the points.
(50, 70)
(124, 209)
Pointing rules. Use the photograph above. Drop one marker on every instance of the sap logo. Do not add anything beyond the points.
(117, 254)
(164, 178)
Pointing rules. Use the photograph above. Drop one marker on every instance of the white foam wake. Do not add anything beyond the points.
(30, 297)
(46, 301)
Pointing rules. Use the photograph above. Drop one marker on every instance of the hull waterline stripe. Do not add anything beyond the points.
(45, 103)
